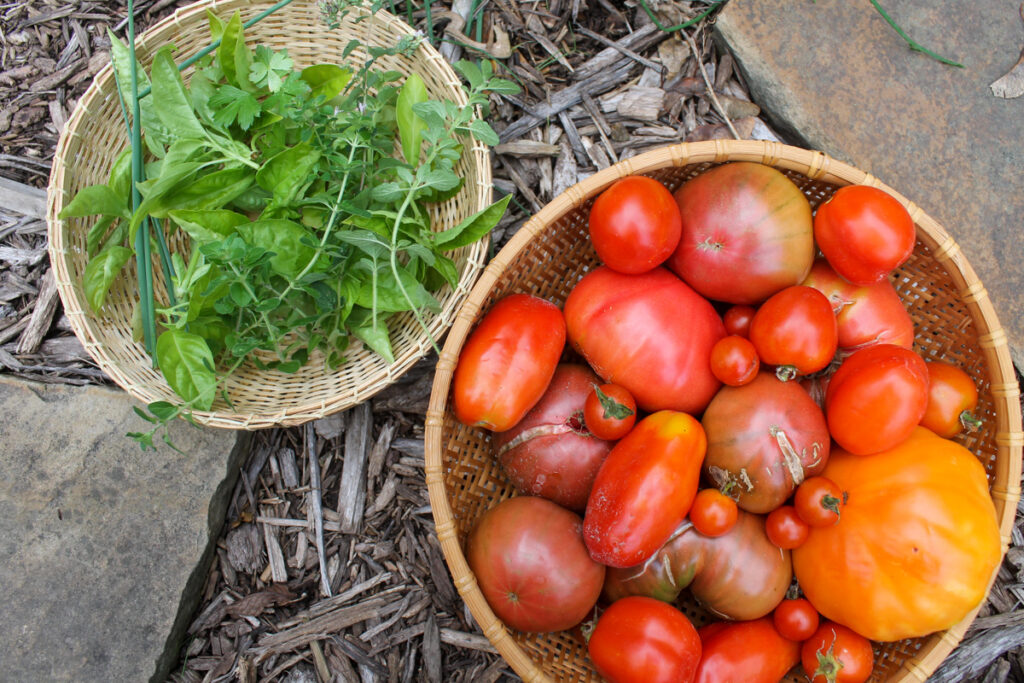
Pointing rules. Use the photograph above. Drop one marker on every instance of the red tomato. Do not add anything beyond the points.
(737, 320)
(952, 397)
(644, 489)
(643, 640)
(734, 361)
(876, 398)
(835, 654)
(747, 651)
(507, 362)
(819, 501)
(532, 566)
(864, 233)
(747, 233)
(785, 529)
(795, 329)
(610, 411)
(713, 513)
(796, 619)
(635, 224)
(650, 333)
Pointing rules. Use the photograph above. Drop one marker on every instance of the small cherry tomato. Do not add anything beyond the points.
(796, 619)
(713, 513)
(795, 330)
(734, 361)
(952, 397)
(609, 411)
(836, 654)
(635, 224)
(737, 319)
(819, 501)
(785, 528)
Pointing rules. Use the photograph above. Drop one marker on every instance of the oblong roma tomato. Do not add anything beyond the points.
(876, 398)
(635, 224)
(748, 651)
(651, 333)
(644, 489)
(507, 362)
(952, 397)
(795, 330)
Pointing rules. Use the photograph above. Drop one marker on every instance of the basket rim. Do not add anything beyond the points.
(478, 196)
(815, 165)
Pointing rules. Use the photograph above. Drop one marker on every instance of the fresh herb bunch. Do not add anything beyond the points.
(305, 227)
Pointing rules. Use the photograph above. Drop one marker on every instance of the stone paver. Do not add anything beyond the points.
(839, 79)
(103, 548)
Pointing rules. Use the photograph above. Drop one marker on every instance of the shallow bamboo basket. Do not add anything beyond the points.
(95, 135)
(954, 321)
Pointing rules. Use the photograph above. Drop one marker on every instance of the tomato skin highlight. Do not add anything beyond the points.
(635, 224)
(835, 648)
(507, 362)
(952, 397)
(643, 640)
(644, 489)
(796, 619)
(747, 651)
(795, 327)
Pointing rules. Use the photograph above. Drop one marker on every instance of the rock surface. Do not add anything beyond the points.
(837, 78)
(104, 548)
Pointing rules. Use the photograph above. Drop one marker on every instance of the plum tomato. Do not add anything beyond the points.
(643, 640)
(819, 501)
(864, 232)
(796, 619)
(737, 319)
(609, 411)
(836, 654)
(531, 564)
(952, 398)
(635, 224)
(785, 529)
(734, 361)
(795, 330)
(713, 513)
(747, 651)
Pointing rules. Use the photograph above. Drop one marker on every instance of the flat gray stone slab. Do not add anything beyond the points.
(103, 548)
(836, 77)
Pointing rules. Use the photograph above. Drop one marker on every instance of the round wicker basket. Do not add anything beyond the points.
(95, 135)
(954, 321)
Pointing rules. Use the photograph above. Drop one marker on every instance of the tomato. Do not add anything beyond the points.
(747, 233)
(642, 640)
(713, 513)
(737, 320)
(747, 651)
(916, 546)
(796, 619)
(819, 501)
(764, 438)
(835, 654)
(507, 362)
(785, 528)
(610, 411)
(876, 398)
(635, 224)
(738, 575)
(795, 330)
(734, 361)
(532, 566)
(644, 489)
(864, 232)
(550, 453)
(650, 333)
(865, 314)
(952, 397)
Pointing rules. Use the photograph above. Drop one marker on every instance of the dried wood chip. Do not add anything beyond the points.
(22, 199)
(432, 650)
(314, 629)
(736, 108)
(330, 427)
(473, 641)
(352, 493)
(254, 604)
(641, 103)
(42, 315)
(275, 556)
(244, 548)
(527, 148)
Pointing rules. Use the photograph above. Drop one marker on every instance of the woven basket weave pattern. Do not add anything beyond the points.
(95, 136)
(953, 321)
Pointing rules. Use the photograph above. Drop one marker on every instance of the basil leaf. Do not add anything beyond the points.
(216, 25)
(94, 238)
(96, 199)
(360, 324)
(287, 240)
(473, 228)
(173, 105)
(101, 272)
(232, 54)
(389, 297)
(207, 225)
(210, 191)
(284, 174)
(410, 126)
(187, 363)
(326, 80)
(155, 130)
(120, 180)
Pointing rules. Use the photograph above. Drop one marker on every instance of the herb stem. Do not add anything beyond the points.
(685, 24)
(910, 42)
(394, 266)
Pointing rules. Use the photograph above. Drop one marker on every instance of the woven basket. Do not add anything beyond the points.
(953, 318)
(95, 135)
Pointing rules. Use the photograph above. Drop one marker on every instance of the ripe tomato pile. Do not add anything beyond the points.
(744, 422)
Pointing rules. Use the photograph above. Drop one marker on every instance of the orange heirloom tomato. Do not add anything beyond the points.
(916, 546)
(951, 398)
(508, 362)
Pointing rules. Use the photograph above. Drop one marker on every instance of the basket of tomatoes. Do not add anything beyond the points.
(719, 412)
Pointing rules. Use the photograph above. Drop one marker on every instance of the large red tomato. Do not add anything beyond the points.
(550, 453)
(528, 557)
(650, 333)
(747, 233)
(643, 640)
(864, 233)
(507, 362)
(635, 224)
(795, 330)
(747, 651)
(644, 489)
